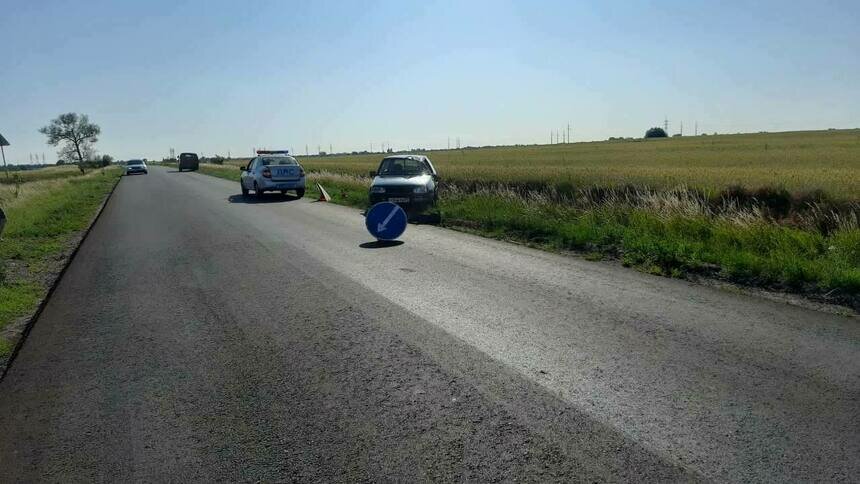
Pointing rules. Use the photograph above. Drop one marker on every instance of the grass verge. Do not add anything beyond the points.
(754, 253)
(43, 220)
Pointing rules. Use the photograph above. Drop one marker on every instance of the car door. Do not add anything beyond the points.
(248, 175)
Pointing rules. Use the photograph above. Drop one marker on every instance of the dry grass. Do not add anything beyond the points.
(47, 173)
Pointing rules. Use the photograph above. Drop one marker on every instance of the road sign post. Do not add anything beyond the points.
(385, 221)
(3, 143)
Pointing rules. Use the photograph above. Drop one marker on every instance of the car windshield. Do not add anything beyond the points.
(279, 160)
(135, 162)
(403, 167)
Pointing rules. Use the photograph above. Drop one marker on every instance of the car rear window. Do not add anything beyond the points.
(279, 160)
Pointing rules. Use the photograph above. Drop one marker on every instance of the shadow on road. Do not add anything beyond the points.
(424, 218)
(381, 244)
(267, 198)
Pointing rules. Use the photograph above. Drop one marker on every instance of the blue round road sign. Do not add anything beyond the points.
(385, 221)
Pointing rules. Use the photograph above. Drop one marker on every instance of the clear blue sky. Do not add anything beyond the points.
(213, 76)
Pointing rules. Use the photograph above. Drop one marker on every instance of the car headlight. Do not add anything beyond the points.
(377, 189)
(419, 190)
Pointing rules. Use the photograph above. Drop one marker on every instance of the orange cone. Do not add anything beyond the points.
(324, 196)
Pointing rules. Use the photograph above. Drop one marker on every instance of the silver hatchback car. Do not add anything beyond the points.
(272, 171)
(136, 166)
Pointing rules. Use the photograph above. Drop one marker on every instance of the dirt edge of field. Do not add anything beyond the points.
(17, 331)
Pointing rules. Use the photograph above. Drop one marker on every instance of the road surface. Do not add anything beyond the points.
(199, 336)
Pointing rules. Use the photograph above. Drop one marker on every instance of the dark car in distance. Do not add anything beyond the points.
(189, 161)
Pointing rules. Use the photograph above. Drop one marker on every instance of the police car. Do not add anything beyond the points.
(272, 171)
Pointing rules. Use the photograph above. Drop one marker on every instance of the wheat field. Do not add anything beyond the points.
(800, 162)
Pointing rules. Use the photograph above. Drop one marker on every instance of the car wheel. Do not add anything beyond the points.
(244, 190)
(257, 191)
(180, 170)
(300, 192)
(145, 172)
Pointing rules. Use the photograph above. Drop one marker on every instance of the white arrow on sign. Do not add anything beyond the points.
(381, 227)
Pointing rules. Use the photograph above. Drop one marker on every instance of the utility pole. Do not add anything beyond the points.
(306, 150)
(697, 129)
(449, 142)
(3, 143)
(568, 133)
(666, 125)
(330, 151)
(682, 128)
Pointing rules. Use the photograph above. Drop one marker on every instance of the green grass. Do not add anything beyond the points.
(42, 220)
(761, 254)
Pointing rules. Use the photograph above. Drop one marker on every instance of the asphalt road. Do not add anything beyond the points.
(198, 336)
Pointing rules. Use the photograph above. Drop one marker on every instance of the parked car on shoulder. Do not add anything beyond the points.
(272, 171)
(135, 167)
(189, 161)
(407, 180)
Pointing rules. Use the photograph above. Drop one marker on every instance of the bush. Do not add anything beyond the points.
(656, 133)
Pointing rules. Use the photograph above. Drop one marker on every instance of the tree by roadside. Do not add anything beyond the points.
(104, 160)
(656, 133)
(75, 135)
